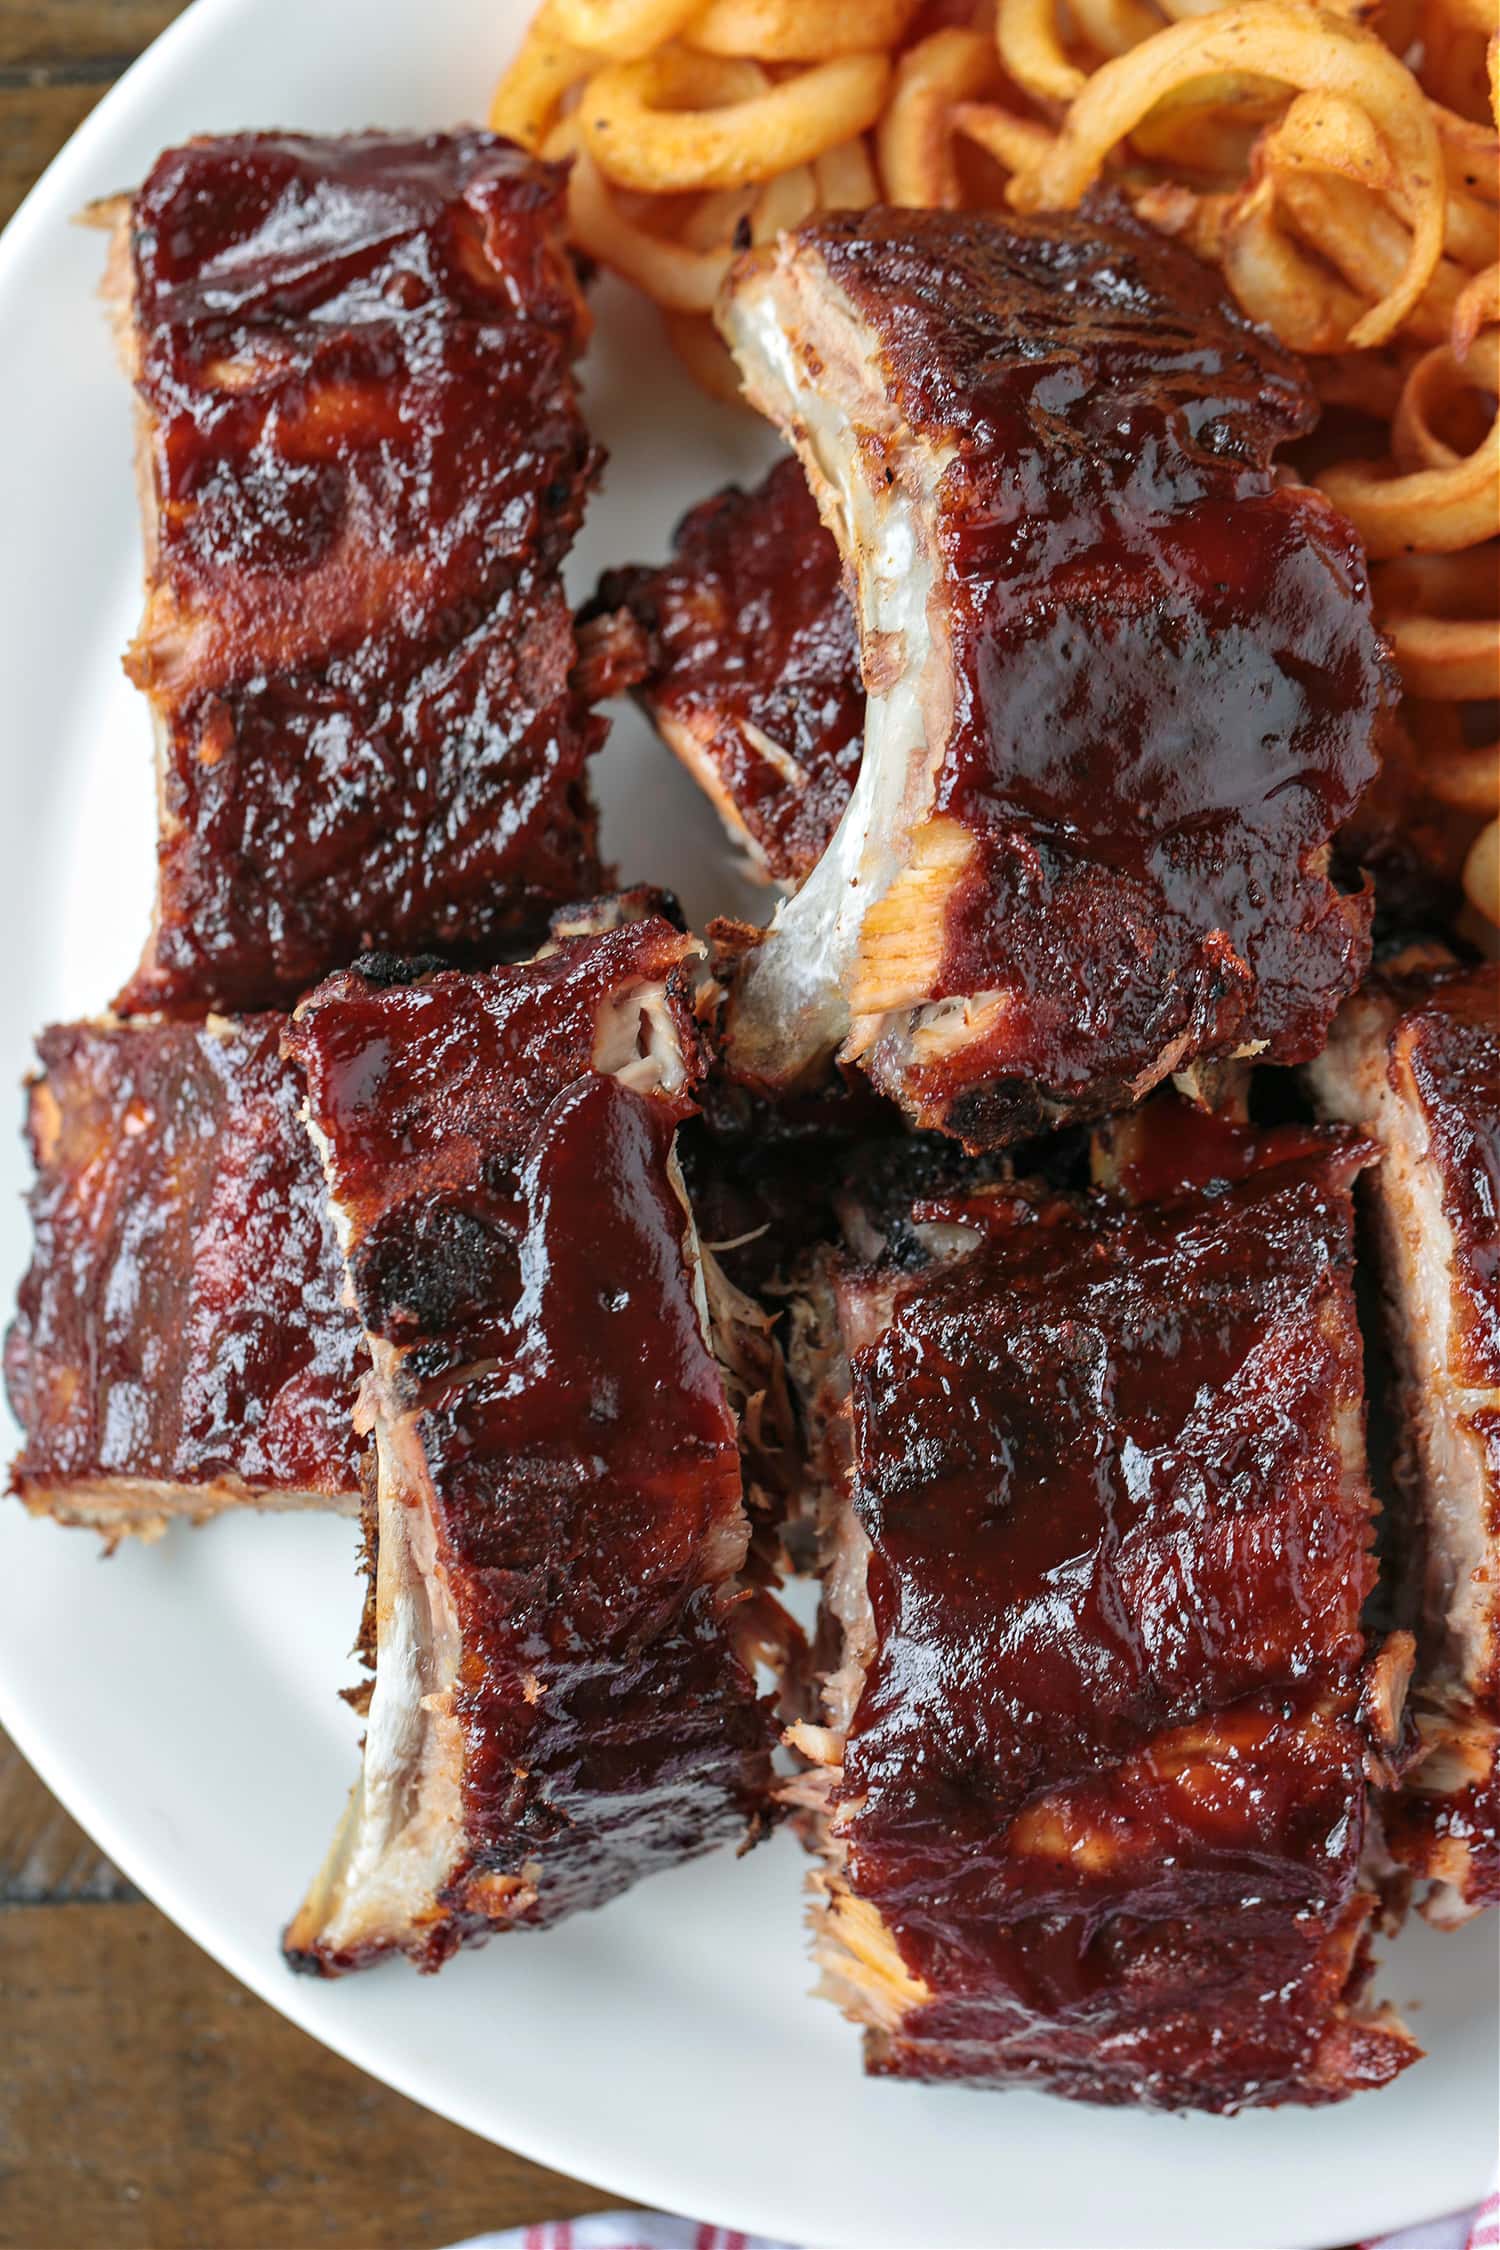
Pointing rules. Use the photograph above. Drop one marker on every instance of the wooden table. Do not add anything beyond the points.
(147, 2100)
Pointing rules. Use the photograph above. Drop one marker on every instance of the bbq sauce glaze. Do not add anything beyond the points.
(1166, 679)
(1104, 1783)
(183, 1318)
(518, 1242)
(354, 363)
(750, 639)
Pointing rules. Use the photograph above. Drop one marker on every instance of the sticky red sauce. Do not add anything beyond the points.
(1116, 1573)
(518, 1236)
(183, 1316)
(354, 360)
(1166, 678)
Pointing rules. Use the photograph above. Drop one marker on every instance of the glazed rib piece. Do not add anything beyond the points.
(749, 667)
(1090, 1786)
(362, 464)
(563, 1701)
(181, 1343)
(1122, 682)
(1415, 1060)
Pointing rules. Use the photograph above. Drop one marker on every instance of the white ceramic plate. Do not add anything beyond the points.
(180, 1699)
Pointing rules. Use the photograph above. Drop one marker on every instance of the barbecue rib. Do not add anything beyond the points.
(362, 461)
(181, 1343)
(1415, 1061)
(1122, 682)
(1091, 1783)
(562, 1700)
(750, 670)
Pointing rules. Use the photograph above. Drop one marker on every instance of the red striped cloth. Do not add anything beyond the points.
(657, 2230)
(621, 2230)
(1459, 2230)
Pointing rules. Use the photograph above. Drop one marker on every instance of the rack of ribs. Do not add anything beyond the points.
(748, 666)
(1123, 684)
(181, 1344)
(362, 461)
(1414, 1060)
(1090, 1785)
(567, 1616)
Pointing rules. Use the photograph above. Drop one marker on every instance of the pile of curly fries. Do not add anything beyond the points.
(1338, 162)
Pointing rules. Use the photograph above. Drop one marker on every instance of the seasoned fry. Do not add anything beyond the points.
(914, 140)
(637, 123)
(1429, 511)
(1114, 26)
(525, 104)
(1448, 505)
(622, 29)
(1330, 133)
(1288, 39)
(1364, 240)
(1278, 283)
(1478, 304)
(798, 30)
(679, 277)
(1447, 656)
(846, 178)
(1011, 141)
(1032, 51)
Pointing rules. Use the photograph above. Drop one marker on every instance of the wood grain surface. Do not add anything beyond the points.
(148, 2101)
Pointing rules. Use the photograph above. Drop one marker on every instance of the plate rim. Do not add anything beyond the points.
(50, 200)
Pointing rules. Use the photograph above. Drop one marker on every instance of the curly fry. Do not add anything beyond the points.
(1452, 59)
(1364, 240)
(1471, 165)
(1277, 283)
(680, 277)
(633, 122)
(914, 140)
(1437, 380)
(1447, 656)
(622, 29)
(1287, 39)
(1011, 141)
(526, 101)
(1330, 133)
(798, 30)
(1433, 509)
(1032, 51)
(1477, 307)
(1209, 124)
(1466, 584)
(1114, 26)
(1470, 229)
(783, 202)
(846, 177)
